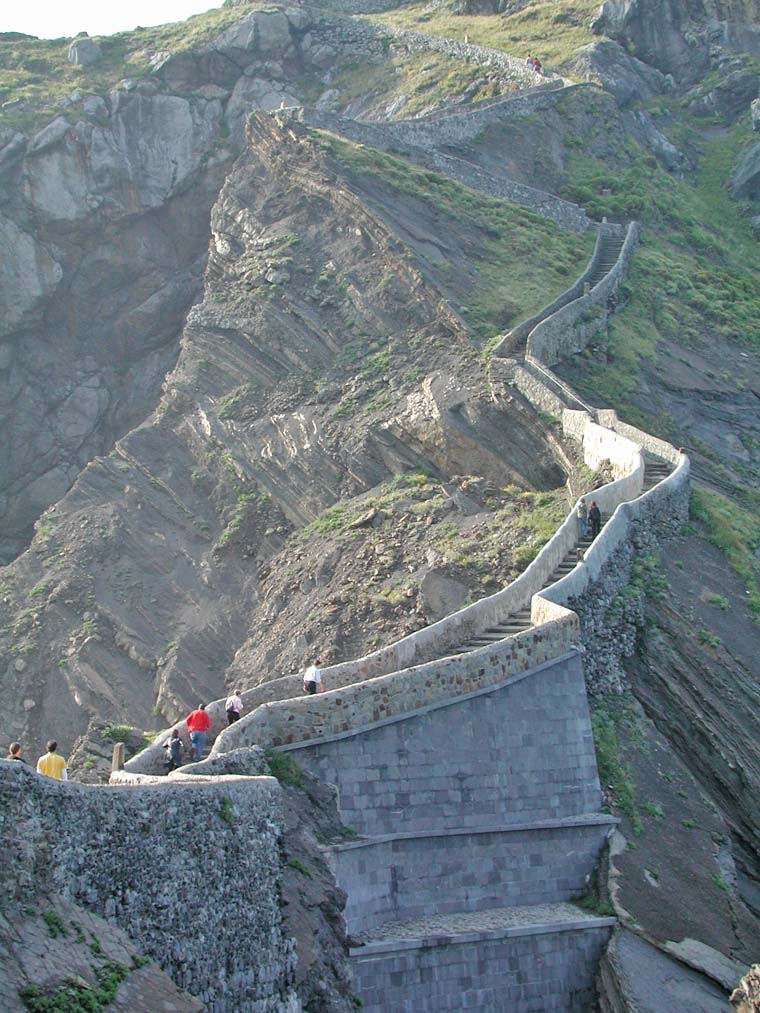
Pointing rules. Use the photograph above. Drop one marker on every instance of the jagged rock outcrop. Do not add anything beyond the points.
(626, 77)
(679, 36)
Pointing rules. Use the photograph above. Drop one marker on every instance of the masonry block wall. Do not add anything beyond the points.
(543, 972)
(520, 751)
(206, 849)
(401, 877)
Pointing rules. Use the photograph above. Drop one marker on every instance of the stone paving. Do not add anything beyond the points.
(493, 920)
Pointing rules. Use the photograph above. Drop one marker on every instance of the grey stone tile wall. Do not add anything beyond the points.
(515, 753)
(403, 878)
(523, 974)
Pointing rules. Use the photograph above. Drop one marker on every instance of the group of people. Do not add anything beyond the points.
(589, 518)
(198, 722)
(51, 763)
(534, 63)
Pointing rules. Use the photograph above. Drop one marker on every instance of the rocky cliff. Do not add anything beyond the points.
(244, 377)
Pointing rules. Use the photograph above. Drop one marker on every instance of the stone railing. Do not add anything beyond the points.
(387, 681)
(415, 139)
(517, 336)
(400, 676)
(370, 702)
(569, 329)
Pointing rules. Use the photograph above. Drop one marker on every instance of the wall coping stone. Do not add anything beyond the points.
(565, 823)
(474, 936)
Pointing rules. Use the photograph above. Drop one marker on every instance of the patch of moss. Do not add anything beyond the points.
(284, 768)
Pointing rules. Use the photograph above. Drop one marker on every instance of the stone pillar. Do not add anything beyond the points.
(117, 759)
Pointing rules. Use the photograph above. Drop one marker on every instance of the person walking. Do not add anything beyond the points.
(595, 519)
(312, 678)
(14, 753)
(581, 512)
(198, 723)
(52, 764)
(234, 707)
(174, 749)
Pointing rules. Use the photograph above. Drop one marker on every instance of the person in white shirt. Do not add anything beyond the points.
(312, 678)
(234, 707)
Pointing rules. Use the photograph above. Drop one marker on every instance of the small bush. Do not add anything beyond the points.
(298, 865)
(284, 768)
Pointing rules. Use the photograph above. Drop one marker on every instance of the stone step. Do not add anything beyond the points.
(485, 961)
(416, 875)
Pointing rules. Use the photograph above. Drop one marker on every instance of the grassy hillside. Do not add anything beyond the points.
(553, 32)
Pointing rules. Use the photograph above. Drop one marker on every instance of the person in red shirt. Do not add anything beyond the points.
(198, 723)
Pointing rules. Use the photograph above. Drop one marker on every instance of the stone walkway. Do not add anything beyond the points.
(492, 920)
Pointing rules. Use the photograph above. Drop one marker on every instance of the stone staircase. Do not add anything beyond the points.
(611, 245)
(655, 471)
(478, 822)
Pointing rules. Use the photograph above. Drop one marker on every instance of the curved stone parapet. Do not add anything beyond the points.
(569, 329)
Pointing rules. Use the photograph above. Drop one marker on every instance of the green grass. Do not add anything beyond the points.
(74, 996)
(736, 531)
(225, 812)
(284, 768)
(424, 79)
(55, 924)
(299, 866)
(553, 32)
(614, 774)
(520, 259)
(117, 733)
(38, 72)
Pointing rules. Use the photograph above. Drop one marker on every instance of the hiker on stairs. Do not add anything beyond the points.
(581, 512)
(198, 723)
(595, 519)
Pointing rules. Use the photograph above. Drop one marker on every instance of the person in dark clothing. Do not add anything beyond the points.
(174, 749)
(595, 519)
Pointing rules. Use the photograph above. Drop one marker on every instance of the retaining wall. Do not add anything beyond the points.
(520, 749)
(570, 328)
(515, 970)
(392, 878)
(205, 850)
(422, 140)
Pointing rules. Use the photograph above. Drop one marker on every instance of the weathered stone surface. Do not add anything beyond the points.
(745, 180)
(441, 595)
(755, 113)
(626, 77)
(113, 851)
(729, 98)
(746, 997)
(84, 51)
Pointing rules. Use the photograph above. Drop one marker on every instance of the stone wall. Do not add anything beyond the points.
(569, 329)
(392, 878)
(402, 692)
(479, 759)
(422, 139)
(189, 870)
(521, 972)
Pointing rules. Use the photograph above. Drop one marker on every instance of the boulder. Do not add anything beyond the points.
(627, 78)
(728, 99)
(84, 51)
(746, 997)
(745, 180)
(440, 595)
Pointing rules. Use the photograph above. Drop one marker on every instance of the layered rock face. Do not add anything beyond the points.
(108, 220)
(147, 574)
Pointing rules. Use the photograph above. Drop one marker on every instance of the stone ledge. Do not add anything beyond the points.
(566, 822)
(519, 922)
